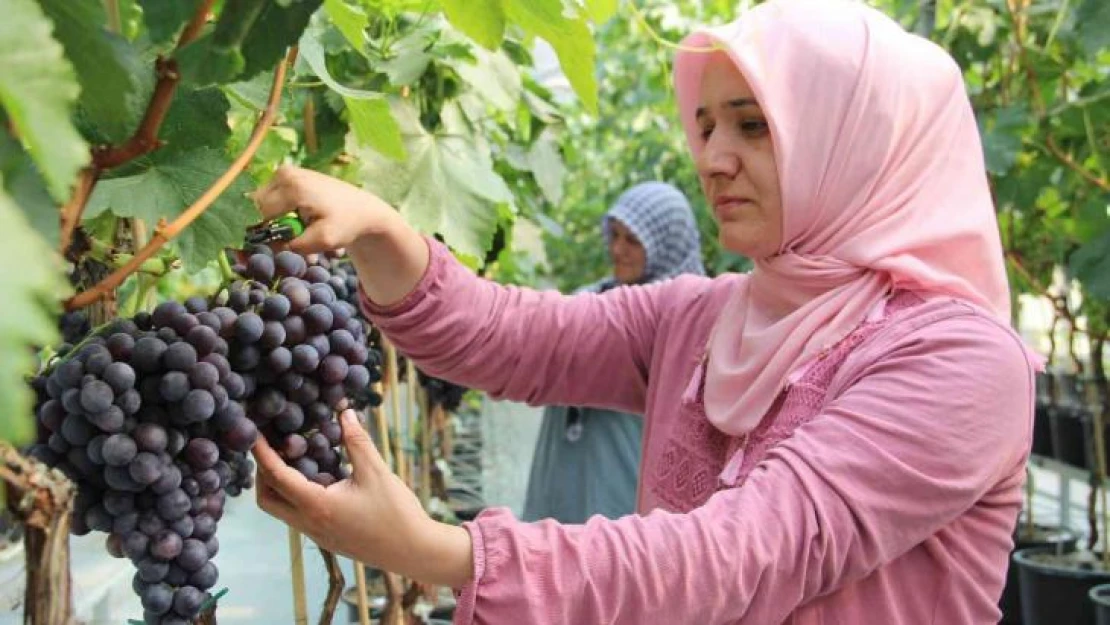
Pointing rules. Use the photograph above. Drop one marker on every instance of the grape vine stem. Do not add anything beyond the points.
(164, 232)
(145, 138)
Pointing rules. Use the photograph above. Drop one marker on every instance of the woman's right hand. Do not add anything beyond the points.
(389, 256)
(336, 214)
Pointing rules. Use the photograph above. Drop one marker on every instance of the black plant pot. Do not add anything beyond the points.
(1100, 598)
(1055, 539)
(1053, 594)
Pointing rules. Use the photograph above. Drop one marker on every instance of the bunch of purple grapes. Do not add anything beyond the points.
(145, 418)
(303, 347)
(153, 417)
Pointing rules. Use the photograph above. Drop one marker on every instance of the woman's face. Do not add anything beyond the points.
(627, 253)
(737, 162)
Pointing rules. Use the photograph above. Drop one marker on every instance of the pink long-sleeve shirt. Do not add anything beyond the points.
(883, 488)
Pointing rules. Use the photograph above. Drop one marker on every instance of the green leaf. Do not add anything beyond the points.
(1092, 25)
(1001, 132)
(26, 187)
(370, 116)
(273, 32)
(38, 90)
(197, 118)
(493, 76)
(409, 59)
(27, 301)
(203, 64)
(446, 186)
(374, 126)
(350, 20)
(1090, 264)
(569, 36)
(164, 18)
(602, 11)
(100, 58)
(166, 186)
(548, 168)
(481, 20)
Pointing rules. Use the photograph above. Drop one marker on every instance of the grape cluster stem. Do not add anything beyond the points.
(167, 231)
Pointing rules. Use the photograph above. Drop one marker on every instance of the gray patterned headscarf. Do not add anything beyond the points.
(659, 215)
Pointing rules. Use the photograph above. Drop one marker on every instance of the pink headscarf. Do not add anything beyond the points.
(883, 186)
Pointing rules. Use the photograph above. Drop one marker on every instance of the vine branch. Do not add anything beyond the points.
(145, 138)
(164, 232)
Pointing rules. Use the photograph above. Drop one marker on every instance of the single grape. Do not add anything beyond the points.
(210, 320)
(235, 386)
(316, 274)
(273, 335)
(260, 267)
(290, 264)
(77, 431)
(183, 527)
(111, 420)
(96, 396)
(318, 319)
(184, 324)
(150, 523)
(57, 443)
(168, 335)
(118, 502)
(125, 523)
(187, 601)
(194, 555)
(135, 545)
(176, 576)
(213, 546)
(94, 450)
(308, 392)
(306, 466)
(196, 304)
(333, 369)
(292, 447)
(202, 453)
(69, 373)
(295, 331)
(119, 450)
(173, 505)
(204, 340)
(180, 357)
(358, 377)
(190, 486)
(290, 419)
(204, 526)
(97, 359)
(130, 401)
(246, 358)
(166, 312)
(248, 328)
(166, 545)
(145, 468)
(198, 405)
(174, 386)
(71, 401)
(341, 341)
(268, 403)
(208, 481)
(176, 442)
(331, 431)
(151, 437)
(320, 343)
(157, 598)
(305, 358)
(170, 480)
(257, 296)
(241, 436)
(205, 577)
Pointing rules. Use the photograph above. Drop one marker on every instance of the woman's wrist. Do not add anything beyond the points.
(444, 557)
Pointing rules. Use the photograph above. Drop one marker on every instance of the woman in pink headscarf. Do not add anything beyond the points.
(837, 437)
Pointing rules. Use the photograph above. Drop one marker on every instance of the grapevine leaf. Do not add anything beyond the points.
(446, 186)
(602, 11)
(203, 64)
(1092, 25)
(481, 20)
(374, 126)
(1091, 265)
(38, 90)
(547, 166)
(273, 32)
(350, 20)
(164, 18)
(26, 187)
(254, 92)
(370, 116)
(569, 36)
(169, 183)
(108, 84)
(27, 298)
(197, 118)
(493, 76)
(1002, 137)
(409, 59)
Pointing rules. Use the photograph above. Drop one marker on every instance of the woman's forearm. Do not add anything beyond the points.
(390, 260)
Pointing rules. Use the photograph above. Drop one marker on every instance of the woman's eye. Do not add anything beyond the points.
(754, 127)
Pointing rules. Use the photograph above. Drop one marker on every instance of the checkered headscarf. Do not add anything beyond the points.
(659, 215)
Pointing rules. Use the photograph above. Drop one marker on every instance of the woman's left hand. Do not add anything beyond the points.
(371, 516)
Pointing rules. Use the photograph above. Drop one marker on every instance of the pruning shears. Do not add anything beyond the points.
(285, 228)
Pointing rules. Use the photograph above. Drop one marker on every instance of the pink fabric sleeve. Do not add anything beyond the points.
(925, 430)
(525, 345)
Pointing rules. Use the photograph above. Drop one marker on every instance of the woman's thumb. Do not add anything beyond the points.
(365, 459)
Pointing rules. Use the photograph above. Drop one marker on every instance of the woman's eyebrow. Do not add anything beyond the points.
(737, 103)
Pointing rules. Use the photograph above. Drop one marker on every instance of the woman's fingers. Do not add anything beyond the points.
(366, 462)
(272, 503)
(291, 485)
